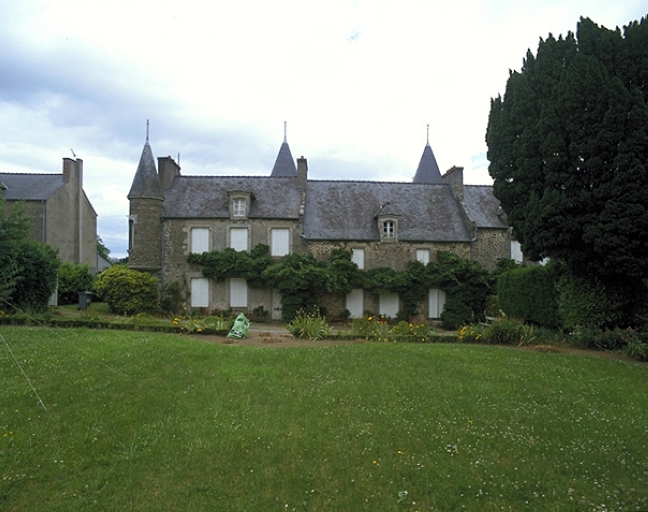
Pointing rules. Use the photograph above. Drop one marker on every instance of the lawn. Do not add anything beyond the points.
(114, 420)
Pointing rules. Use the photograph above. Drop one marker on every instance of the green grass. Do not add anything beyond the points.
(146, 421)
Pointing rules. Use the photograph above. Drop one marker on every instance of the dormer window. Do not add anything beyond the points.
(387, 223)
(388, 229)
(239, 202)
(239, 208)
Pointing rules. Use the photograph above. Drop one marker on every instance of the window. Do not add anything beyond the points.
(355, 303)
(436, 302)
(199, 292)
(199, 240)
(239, 208)
(516, 251)
(388, 304)
(279, 242)
(388, 229)
(238, 293)
(357, 257)
(239, 239)
(423, 255)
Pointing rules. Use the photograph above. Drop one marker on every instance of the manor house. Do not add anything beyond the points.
(383, 224)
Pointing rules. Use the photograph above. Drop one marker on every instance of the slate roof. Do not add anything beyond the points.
(345, 210)
(207, 196)
(483, 206)
(284, 164)
(30, 187)
(428, 169)
(146, 183)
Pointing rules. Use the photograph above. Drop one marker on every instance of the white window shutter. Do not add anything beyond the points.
(355, 302)
(388, 304)
(199, 240)
(357, 257)
(238, 293)
(239, 239)
(199, 292)
(423, 255)
(280, 242)
(436, 302)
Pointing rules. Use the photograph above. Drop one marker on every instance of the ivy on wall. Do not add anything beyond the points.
(300, 279)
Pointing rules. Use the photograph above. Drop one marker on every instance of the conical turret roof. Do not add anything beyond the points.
(146, 184)
(428, 169)
(284, 164)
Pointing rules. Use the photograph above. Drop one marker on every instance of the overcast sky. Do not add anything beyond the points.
(357, 82)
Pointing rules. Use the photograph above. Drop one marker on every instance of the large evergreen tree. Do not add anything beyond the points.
(568, 151)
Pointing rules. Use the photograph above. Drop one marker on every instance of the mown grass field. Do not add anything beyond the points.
(146, 421)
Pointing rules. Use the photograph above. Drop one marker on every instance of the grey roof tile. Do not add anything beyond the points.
(146, 183)
(483, 207)
(345, 210)
(207, 196)
(428, 169)
(284, 164)
(30, 187)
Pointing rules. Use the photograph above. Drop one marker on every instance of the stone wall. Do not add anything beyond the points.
(490, 246)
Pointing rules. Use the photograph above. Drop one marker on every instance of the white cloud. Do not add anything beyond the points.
(357, 81)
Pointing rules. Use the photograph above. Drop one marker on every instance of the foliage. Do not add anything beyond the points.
(605, 339)
(379, 329)
(308, 325)
(127, 291)
(174, 295)
(14, 228)
(38, 269)
(637, 347)
(504, 331)
(220, 265)
(455, 314)
(595, 303)
(568, 146)
(529, 293)
(72, 279)
(102, 250)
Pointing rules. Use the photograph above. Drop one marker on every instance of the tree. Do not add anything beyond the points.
(28, 269)
(568, 149)
(102, 250)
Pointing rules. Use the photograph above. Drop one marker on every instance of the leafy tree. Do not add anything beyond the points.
(73, 279)
(568, 146)
(102, 250)
(28, 269)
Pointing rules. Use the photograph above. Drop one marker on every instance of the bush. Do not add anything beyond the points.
(308, 325)
(609, 339)
(529, 293)
(508, 331)
(72, 279)
(637, 348)
(36, 281)
(455, 314)
(127, 291)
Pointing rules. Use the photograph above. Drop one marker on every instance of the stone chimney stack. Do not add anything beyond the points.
(302, 173)
(454, 178)
(168, 169)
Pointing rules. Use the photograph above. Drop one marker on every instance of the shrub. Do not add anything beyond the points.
(455, 314)
(508, 331)
(308, 325)
(370, 325)
(608, 339)
(72, 279)
(637, 348)
(36, 281)
(529, 293)
(471, 333)
(127, 291)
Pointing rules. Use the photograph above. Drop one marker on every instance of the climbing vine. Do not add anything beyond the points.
(301, 280)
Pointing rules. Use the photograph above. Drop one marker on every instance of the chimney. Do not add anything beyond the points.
(302, 173)
(454, 178)
(167, 170)
(73, 171)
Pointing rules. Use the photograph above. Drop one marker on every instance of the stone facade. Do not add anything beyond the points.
(60, 212)
(384, 224)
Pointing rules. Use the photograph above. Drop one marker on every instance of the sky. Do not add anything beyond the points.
(358, 82)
